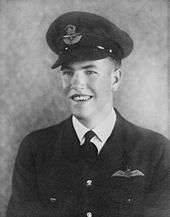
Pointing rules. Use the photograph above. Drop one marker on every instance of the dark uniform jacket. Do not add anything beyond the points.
(129, 179)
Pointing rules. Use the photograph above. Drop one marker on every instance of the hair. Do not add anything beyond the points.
(116, 61)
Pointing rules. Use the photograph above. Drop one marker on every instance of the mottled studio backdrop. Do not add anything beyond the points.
(30, 95)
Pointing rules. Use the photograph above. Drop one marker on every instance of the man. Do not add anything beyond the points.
(95, 163)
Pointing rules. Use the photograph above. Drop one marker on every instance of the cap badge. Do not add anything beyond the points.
(71, 37)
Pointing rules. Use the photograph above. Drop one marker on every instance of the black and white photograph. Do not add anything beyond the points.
(84, 108)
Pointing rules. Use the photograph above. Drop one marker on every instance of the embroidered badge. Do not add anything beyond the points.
(71, 37)
(128, 173)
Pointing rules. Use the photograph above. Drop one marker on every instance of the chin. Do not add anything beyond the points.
(80, 115)
(83, 114)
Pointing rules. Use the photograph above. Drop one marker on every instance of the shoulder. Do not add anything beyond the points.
(147, 135)
(43, 138)
(47, 132)
(143, 138)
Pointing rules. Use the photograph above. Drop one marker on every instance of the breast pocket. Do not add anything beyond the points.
(56, 191)
(125, 191)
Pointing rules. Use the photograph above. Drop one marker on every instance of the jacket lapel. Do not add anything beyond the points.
(116, 152)
(70, 144)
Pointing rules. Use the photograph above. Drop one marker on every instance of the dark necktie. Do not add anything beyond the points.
(89, 151)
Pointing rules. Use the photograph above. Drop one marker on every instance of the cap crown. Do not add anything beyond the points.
(83, 29)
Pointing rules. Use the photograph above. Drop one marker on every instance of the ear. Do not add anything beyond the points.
(116, 76)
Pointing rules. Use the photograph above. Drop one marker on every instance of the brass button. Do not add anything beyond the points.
(89, 182)
(89, 214)
(52, 199)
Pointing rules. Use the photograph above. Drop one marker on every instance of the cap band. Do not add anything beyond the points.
(75, 53)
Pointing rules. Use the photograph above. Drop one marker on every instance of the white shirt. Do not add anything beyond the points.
(102, 131)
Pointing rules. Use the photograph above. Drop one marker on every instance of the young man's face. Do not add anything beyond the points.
(88, 87)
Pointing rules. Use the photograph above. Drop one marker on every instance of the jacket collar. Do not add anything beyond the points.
(116, 152)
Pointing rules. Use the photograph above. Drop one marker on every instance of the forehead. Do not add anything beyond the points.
(90, 64)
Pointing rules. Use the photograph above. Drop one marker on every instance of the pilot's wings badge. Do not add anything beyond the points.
(128, 173)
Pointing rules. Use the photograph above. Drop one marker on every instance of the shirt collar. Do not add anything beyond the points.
(102, 131)
(79, 128)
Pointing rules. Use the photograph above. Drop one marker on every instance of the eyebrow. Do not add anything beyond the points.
(88, 66)
(83, 67)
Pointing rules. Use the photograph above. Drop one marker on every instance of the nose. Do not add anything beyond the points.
(78, 80)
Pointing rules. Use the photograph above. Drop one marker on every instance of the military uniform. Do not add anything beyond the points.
(130, 177)
(50, 179)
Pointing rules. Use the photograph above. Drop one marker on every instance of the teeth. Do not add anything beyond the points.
(81, 98)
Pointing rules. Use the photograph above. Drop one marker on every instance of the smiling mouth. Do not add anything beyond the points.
(81, 98)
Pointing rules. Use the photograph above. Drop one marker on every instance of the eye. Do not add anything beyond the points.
(68, 72)
(91, 72)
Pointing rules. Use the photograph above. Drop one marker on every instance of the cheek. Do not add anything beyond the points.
(65, 85)
(103, 87)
